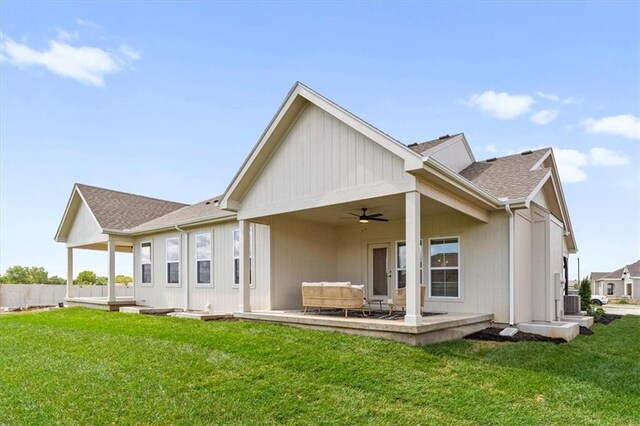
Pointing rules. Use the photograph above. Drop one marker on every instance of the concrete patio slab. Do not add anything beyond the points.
(564, 330)
(582, 320)
(145, 310)
(100, 302)
(203, 316)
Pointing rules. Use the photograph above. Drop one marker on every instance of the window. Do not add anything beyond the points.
(444, 267)
(236, 255)
(610, 287)
(401, 264)
(145, 262)
(203, 258)
(173, 260)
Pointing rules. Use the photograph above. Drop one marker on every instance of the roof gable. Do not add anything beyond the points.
(294, 105)
(112, 210)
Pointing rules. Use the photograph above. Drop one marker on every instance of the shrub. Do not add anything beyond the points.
(623, 301)
(585, 294)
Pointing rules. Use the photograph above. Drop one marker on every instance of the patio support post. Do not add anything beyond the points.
(245, 264)
(111, 283)
(412, 230)
(69, 272)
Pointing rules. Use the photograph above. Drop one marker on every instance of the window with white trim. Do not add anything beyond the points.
(203, 258)
(401, 264)
(610, 288)
(444, 268)
(145, 262)
(236, 255)
(173, 260)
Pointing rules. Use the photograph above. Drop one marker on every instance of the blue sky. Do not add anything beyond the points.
(167, 99)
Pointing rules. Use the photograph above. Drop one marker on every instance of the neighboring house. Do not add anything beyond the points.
(488, 236)
(621, 282)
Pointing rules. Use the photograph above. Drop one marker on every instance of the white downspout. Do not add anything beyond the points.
(512, 275)
(185, 264)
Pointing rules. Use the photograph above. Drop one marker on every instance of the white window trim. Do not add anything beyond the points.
(252, 262)
(195, 241)
(459, 268)
(397, 242)
(166, 261)
(150, 284)
(233, 255)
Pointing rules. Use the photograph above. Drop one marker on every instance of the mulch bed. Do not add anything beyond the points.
(493, 335)
(584, 331)
(607, 319)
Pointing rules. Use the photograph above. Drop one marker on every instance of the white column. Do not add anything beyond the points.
(69, 272)
(111, 283)
(412, 230)
(245, 264)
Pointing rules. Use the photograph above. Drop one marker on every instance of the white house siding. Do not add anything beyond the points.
(555, 261)
(323, 161)
(222, 295)
(454, 155)
(311, 251)
(300, 251)
(523, 266)
(85, 229)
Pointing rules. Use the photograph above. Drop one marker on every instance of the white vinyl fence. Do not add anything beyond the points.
(21, 295)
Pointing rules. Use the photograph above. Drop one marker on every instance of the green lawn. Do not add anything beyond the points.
(77, 366)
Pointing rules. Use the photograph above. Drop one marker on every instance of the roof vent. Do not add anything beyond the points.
(207, 202)
(412, 144)
(527, 152)
(444, 136)
(489, 160)
(216, 202)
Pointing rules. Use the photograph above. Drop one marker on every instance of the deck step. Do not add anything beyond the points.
(203, 316)
(564, 330)
(145, 310)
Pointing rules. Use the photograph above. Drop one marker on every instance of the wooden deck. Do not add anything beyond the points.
(100, 302)
(434, 328)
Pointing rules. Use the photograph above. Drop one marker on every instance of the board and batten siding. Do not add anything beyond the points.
(85, 229)
(300, 251)
(454, 155)
(222, 294)
(524, 266)
(319, 159)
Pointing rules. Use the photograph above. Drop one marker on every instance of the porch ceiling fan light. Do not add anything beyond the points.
(364, 221)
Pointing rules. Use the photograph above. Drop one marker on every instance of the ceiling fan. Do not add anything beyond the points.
(365, 218)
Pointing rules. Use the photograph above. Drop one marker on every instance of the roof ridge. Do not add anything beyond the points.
(532, 151)
(130, 193)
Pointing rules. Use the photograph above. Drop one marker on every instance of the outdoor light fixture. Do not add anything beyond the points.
(364, 221)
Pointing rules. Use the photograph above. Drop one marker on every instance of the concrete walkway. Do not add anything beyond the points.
(622, 309)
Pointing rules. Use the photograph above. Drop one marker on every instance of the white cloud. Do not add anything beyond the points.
(570, 100)
(624, 125)
(501, 105)
(548, 96)
(491, 148)
(66, 36)
(89, 24)
(570, 165)
(544, 116)
(88, 65)
(605, 157)
(133, 55)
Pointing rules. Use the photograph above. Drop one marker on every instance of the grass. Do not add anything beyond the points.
(78, 366)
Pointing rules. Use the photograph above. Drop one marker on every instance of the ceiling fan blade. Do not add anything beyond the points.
(353, 214)
(378, 219)
(375, 215)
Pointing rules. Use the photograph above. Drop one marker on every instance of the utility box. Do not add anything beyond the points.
(572, 304)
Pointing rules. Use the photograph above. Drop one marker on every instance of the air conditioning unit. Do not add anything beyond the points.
(571, 304)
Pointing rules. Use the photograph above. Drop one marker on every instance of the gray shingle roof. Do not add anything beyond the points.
(634, 271)
(595, 276)
(421, 147)
(509, 176)
(120, 210)
(204, 209)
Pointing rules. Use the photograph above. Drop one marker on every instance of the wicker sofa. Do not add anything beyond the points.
(337, 295)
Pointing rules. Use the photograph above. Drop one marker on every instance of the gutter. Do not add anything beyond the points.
(186, 284)
(512, 274)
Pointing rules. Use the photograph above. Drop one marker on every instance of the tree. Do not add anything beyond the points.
(123, 279)
(25, 275)
(87, 278)
(56, 280)
(585, 294)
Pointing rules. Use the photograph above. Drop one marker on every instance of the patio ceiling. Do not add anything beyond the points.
(392, 207)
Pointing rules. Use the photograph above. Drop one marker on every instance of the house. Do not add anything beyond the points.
(623, 282)
(487, 237)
